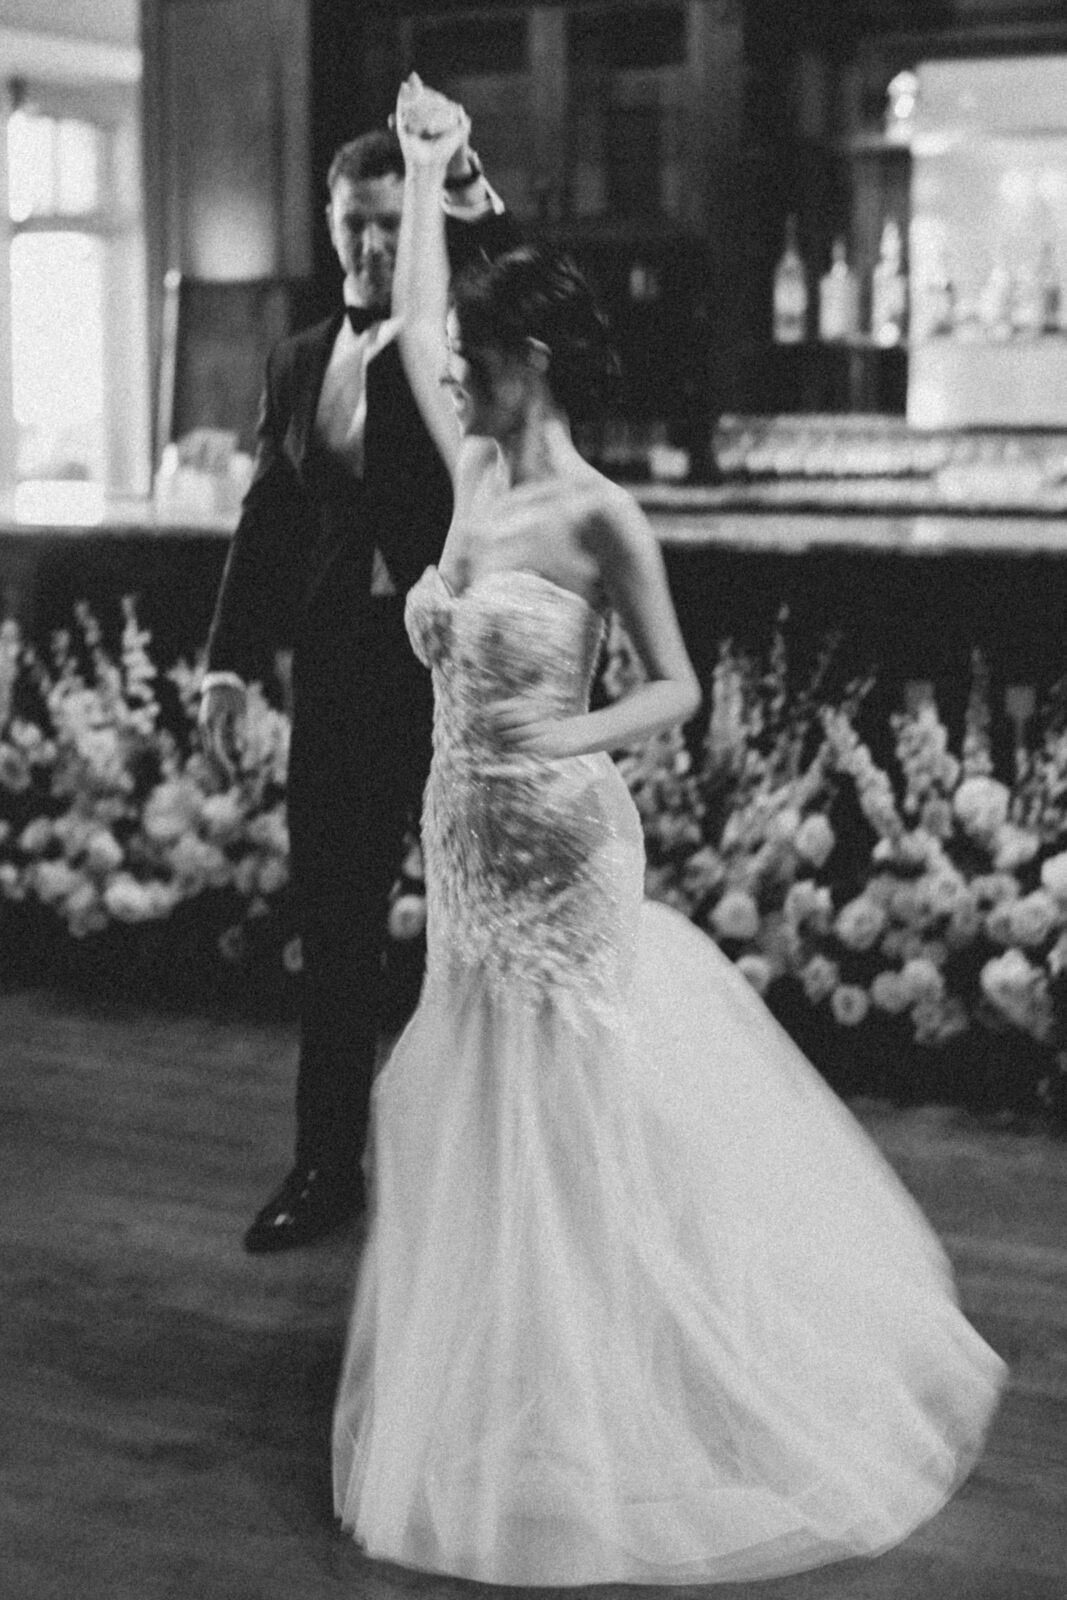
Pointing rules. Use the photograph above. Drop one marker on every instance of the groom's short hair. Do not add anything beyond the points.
(376, 154)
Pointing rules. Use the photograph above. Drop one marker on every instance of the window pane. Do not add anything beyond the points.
(31, 165)
(57, 327)
(77, 149)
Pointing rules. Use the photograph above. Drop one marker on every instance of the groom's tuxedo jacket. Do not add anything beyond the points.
(299, 568)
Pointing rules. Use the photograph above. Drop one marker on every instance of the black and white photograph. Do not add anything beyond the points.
(533, 799)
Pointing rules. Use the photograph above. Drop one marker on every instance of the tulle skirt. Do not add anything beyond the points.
(641, 1303)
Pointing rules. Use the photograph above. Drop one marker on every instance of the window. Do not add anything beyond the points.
(74, 278)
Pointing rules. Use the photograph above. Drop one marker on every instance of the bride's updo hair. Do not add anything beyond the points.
(534, 293)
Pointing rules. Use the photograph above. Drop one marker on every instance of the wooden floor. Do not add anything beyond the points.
(165, 1398)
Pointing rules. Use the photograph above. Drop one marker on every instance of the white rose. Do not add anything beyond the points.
(1014, 847)
(1054, 875)
(860, 923)
(981, 804)
(736, 916)
(921, 979)
(273, 875)
(1033, 917)
(407, 916)
(757, 970)
(890, 993)
(221, 814)
(127, 900)
(103, 853)
(784, 826)
(814, 839)
(35, 836)
(54, 880)
(849, 1004)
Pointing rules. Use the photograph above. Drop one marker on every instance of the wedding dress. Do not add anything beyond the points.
(640, 1301)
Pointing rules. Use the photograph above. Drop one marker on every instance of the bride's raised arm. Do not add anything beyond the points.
(430, 130)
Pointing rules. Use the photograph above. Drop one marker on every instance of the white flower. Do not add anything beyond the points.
(1014, 847)
(273, 875)
(11, 884)
(815, 839)
(890, 993)
(35, 836)
(293, 956)
(820, 977)
(785, 825)
(993, 888)
(736, 916)
(964, 925)
(860, 923)
(981, 804)
(943, 892)
(270, 831)
(1054, 875)
(1019, 990)
(1057, 956)
(849, 1004)
(703, 871)
(221, 814)
(129, 900)
(103, 853)
(14, 769)
(1033, 917)
(170, 809)
(412, 866)
(758, 971)
(197, 863)
(806, 902)
(407, 916)
(54, 880)
(921, 979)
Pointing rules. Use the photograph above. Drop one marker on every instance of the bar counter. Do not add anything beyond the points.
(910, 579)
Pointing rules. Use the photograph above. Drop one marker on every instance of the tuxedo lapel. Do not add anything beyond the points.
(313, 357)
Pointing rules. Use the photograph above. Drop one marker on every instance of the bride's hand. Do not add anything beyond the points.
(430, 127)
(529, 728)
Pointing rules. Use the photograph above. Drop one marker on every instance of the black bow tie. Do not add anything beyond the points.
(361, 318)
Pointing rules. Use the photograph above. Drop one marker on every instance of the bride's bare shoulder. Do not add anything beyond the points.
(609, 516)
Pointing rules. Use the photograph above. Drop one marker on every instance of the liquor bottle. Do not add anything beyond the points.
(838, 297)
(1048, 278)
(940, 298)
(889, 289)
(790, 291)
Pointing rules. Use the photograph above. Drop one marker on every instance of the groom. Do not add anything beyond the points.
(349, 502)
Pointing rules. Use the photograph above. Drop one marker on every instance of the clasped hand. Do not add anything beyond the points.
(531, 728)
(430, 127)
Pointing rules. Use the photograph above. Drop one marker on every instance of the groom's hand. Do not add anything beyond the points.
(431, 128)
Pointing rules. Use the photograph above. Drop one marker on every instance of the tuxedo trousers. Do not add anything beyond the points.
(360, 755)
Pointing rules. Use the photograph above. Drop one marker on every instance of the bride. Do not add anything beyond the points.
(640, 1302)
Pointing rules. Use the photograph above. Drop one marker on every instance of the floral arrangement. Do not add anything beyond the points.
(919, 902)
(112, 817)
(923, 904)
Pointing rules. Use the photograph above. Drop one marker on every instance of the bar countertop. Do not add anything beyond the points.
(785, 514)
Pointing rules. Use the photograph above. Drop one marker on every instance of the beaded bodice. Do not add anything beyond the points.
(534, 867)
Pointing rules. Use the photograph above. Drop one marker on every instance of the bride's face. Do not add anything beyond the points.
(489, 386)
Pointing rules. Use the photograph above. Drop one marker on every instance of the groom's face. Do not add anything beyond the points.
(364, 222)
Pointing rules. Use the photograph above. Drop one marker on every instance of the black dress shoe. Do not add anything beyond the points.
(311, 1203)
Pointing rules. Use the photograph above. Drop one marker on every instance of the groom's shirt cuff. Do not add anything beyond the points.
(215, 680)
(471, 210)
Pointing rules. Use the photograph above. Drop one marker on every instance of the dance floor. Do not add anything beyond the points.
(165, 1399)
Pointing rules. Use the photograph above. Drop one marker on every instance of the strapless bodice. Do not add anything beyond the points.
(527, 859)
